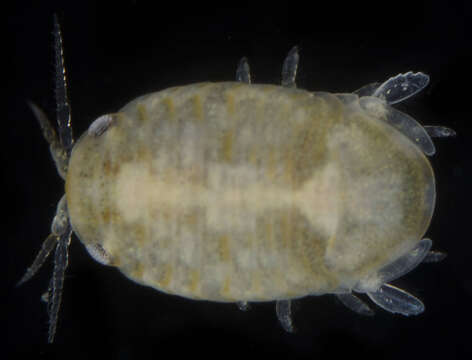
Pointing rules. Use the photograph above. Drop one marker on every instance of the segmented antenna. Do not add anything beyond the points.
(61, 257)
(62, 102)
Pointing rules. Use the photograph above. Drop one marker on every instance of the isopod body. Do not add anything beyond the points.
(238, 192)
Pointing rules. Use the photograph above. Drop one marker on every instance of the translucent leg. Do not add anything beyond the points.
(243, 73)
(396, 269)
(284, 314)
(405, 263)
(402, 122)
(434, 256)
(396, 300)
(367, 90)
(412, 129)
(243, 305)
(352, 302)
(289, 68)
(401, 87)
(397, 88)
(439, 131)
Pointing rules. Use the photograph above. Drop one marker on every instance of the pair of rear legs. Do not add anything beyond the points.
(388, 297)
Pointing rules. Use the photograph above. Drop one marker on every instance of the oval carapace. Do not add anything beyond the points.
(239, 192)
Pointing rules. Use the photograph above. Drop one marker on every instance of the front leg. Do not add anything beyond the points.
(283, 308)
(289, 68)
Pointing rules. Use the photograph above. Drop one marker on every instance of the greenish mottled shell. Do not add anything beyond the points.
(237, 192)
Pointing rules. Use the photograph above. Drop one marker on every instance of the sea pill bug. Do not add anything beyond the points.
(238, 192)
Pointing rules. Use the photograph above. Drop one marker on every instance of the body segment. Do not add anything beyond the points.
(235, 192)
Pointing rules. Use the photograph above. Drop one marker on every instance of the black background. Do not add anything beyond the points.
(115, 52)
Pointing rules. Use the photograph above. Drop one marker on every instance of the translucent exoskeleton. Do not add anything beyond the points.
(264, 212)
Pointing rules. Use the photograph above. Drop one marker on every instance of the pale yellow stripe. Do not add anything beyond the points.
(269, 234)
(138, 271)
(256, 288)
(227, 146)
(252, 158)
(225, 258)
(272, 164)
(230, 107)
(195, 282)
(142, 112)
(169, 103)
(226, 288)
(197, 107)
(224, 249)
(167, 276)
